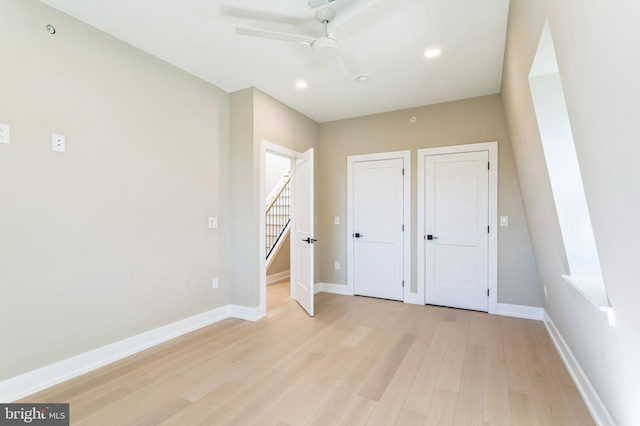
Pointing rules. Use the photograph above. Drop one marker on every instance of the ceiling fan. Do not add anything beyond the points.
(326, 47)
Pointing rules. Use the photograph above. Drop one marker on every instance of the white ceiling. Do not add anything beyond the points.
(385, 39)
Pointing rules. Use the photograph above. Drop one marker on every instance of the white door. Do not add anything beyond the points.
(456, 224)
(378, 214)
(303, 231)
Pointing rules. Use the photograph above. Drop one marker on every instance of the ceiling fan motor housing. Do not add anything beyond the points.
(325, 48)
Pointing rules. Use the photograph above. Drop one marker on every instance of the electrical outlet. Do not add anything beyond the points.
(214, 283)
(336, 220)
(5, 136)
(336, 265)
(58, 143)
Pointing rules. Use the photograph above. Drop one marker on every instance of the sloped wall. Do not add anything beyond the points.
(594, 42)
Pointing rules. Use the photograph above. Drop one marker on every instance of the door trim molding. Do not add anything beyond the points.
(351, 160)
(492, 148)
(272, 148)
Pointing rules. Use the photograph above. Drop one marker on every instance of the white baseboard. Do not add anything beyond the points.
(34, 381)
(244, 313)
(520, 311)
(278, 277)
(591, 398)
(331, 288)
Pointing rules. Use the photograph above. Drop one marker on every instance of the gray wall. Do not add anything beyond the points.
(256, 116)
(596, 45)
(282, 261)
(117, 225)
(455, 123)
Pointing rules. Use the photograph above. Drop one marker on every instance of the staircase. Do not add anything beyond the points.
(278, 215)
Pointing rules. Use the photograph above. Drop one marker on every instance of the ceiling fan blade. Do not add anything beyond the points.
(367, 17)
(256, 15)
(338, 66)
(274, 35)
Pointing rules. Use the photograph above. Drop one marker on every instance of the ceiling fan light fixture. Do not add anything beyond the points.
(432, 53)
(325, 48)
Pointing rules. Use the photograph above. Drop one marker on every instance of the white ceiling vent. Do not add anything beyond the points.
(314, 4)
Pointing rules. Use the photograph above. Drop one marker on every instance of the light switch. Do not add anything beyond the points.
(336, 220)
(504, 221)
(336, 266)
(213, 222)
(58, 143)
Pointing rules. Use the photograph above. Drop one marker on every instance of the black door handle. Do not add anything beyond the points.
(358, 235)
(431, 237)
(310, 240)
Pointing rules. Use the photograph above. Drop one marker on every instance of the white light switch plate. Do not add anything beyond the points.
(504, 221)
(336, 220)
(58, 143)
(213, 222)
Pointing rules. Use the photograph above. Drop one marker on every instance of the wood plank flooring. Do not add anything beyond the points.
(358, 361)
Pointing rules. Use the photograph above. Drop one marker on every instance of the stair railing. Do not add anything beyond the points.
(278, 216)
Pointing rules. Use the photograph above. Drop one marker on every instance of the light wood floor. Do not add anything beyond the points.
(359, 361)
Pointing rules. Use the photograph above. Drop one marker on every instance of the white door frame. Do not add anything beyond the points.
(351, 160)
(492, 148)
(292, 155)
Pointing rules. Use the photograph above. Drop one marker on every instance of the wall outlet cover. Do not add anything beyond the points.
(58, 143)
(5, 135)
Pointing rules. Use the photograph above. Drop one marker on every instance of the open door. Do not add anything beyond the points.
(302, 237)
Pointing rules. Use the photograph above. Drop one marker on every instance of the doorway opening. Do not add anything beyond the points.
(300, 259)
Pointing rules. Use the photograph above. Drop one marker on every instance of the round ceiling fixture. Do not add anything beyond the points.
(325, 48)
(363, 78)
(432, 53)
(301, 84)
(50, 29)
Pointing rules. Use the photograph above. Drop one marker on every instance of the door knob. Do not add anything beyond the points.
(310, 240)
(358, 235)
(431, 237)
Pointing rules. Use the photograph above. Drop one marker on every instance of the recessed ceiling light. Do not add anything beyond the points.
(432, 53)
(302, 84)
(362, 78)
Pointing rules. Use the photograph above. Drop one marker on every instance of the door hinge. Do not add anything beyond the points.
(488, 229)
(488, 166)
(402, 283)
(487, 292)
(403, 172)
(402, 228)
